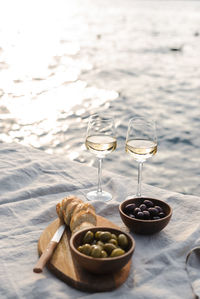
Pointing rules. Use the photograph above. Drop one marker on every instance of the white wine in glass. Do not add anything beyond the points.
(100, 141)
(141, 143)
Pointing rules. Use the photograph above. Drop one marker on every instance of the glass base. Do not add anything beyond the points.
(103, 196)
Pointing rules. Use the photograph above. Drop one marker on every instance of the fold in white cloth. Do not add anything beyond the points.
(32, 182)
(193, 268)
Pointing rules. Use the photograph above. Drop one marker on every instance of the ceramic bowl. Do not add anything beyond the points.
(141, 226)
(101, 265)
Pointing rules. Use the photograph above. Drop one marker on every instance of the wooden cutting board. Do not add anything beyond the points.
(67, 269)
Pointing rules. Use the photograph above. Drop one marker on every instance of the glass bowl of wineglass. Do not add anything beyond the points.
(141, 143)
(100, 141)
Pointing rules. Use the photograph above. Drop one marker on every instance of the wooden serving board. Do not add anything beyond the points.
(67, 269)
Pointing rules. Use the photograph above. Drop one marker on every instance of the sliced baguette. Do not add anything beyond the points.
(61, 206)
(82, 216)
(66, 201)
(83, 206)
(67, 213)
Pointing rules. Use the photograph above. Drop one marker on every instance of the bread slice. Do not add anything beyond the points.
(82, 216)
(61, 206)
(83, 207)
(66, 201)
(82, 226)
(59, 211)
(69, 210)
(76, 213)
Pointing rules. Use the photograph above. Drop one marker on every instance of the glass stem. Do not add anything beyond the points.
(140, 164)
(99, 190)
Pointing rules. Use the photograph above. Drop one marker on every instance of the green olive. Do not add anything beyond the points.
(117, 252)
(99, 243)
(103, 244)
(109, 247)
(80, 248)
(103, 254)
(96, 251)
(113, 241)
(86, 249)
(122, 241)
(105, 236)
(93, 246)
(88, 238)
(113, 236)
(97, 235)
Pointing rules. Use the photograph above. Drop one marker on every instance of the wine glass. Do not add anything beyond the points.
(100, 141)
(141, 143)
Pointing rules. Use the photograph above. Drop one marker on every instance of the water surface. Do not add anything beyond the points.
(61, 61)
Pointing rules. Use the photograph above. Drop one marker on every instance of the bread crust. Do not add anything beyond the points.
(67, 213)
(62, 205)
(58, 211)
(66, 201)
(83, 216)
(76, 213)
(83, 207)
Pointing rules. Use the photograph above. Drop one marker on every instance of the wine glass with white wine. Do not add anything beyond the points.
(141, 143)
(100, 141)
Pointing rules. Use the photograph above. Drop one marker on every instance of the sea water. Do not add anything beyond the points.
(61, 61)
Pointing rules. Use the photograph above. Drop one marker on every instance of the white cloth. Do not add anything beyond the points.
(32, 182)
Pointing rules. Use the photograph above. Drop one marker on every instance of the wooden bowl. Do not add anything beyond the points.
(101, 265)
(145, 227)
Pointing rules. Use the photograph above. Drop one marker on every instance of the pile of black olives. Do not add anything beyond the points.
(146, 210)
(102, 244)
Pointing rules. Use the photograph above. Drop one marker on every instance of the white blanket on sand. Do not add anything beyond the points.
(32, 182)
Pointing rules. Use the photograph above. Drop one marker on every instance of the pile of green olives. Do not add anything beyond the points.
(102, 244)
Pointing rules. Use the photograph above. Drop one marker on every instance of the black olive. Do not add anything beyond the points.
(161, 215)
(140, 215)
(156, 217)
(153, 212)
(146, 215)
(148, 203)
(129, 208)
(137, 210)
(131, 215)
(143, 207)
(158, 208)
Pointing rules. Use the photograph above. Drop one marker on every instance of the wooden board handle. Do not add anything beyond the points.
(46, 255)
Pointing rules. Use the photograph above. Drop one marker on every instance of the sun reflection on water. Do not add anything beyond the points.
(40, 86)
